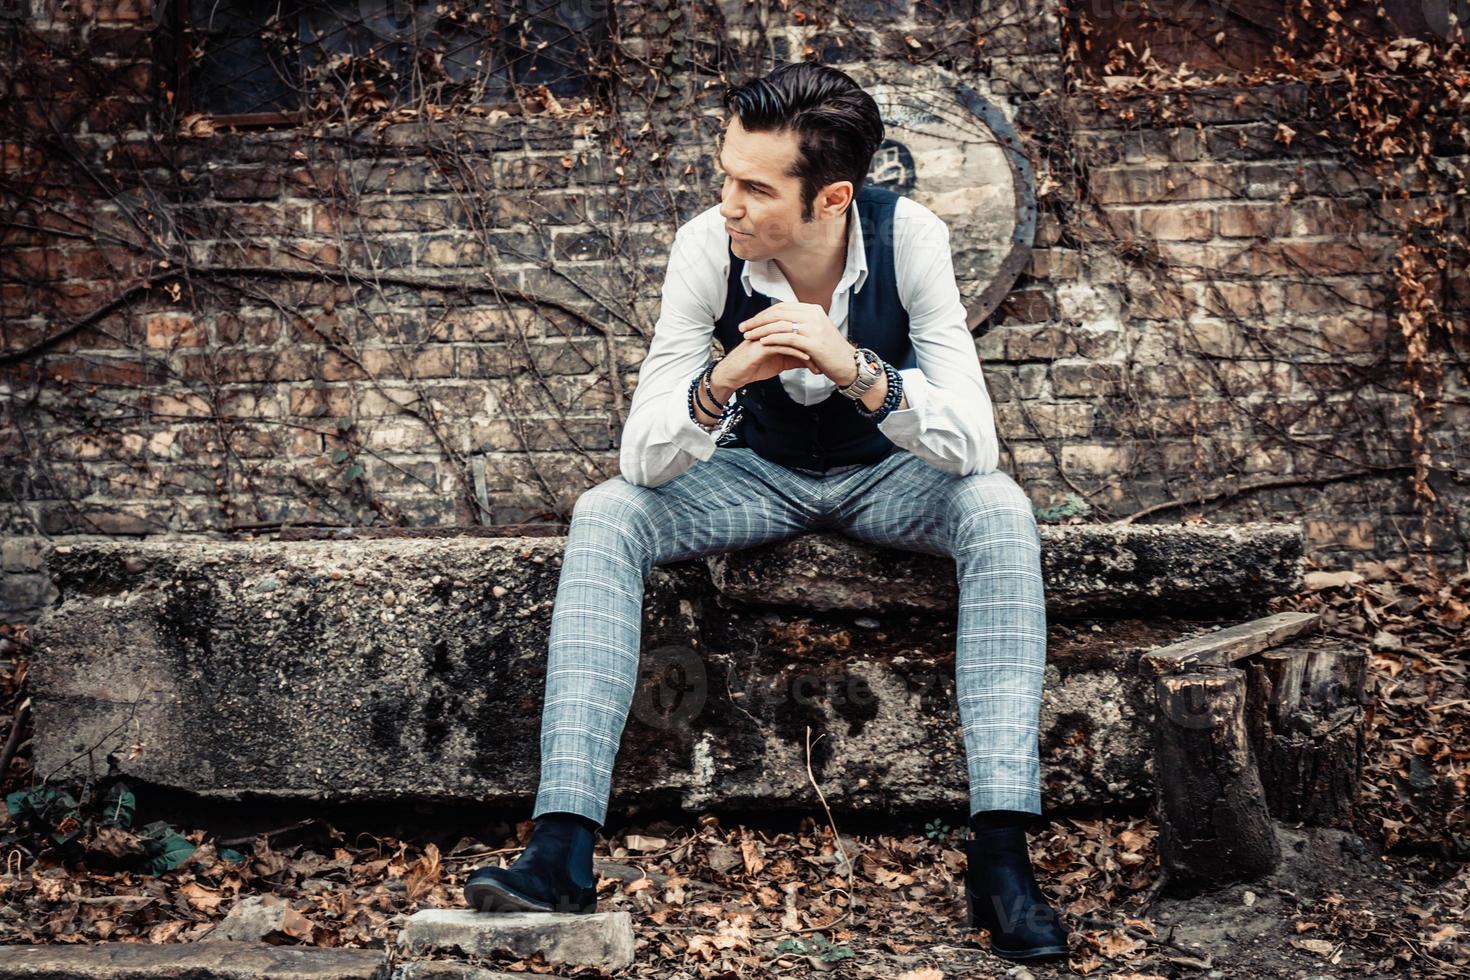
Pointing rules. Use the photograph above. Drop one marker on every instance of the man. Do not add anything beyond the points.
(854, 401)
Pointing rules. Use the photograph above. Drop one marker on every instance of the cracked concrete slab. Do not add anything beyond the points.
(414, 669)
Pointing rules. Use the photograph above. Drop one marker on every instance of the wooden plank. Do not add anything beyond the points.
(1223, 647)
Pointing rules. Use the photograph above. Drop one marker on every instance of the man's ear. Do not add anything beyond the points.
(836, 197)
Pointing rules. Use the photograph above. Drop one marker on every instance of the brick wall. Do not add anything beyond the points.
(1211, 314)
(440, 321)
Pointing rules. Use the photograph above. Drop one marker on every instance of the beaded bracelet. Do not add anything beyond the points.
(712, 405)
(709, 389)
(891, 399)
(724, 414)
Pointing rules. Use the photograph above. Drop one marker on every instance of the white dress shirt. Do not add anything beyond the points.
(949, 422)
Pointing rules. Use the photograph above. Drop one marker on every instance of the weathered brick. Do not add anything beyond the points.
(250, 403)
(577, 246)
(1096, 460)
(186, 404)
(328, 179)
(436, 361)
(246, 184)
(1280, 258)
(1001, 381)
(542, 434)
(1302, 219)
(1110, 222)
(1354, 334)
(1048, 230)
(1163, 300)
(1233, 298)
(1177, 223)
(870, 11)
(103, 369)
(304, 255)
(386, 176)
(252, 330)
(1054, 263)
(486, 324)
(31, 263)
(1026, 306)
(1138, 185)
(78, 298)
(1086, 379)
(509, 249)
(21, 554)
(1029, 343)
(518, 172)
(104, 263)
(555, 208)
(250, 440)
(170, 331)
(398, 213)
(451, 252)
(21, 594)
(316, 402)
(294, 364)
(1043, 420)
(1356, 535)
(115, 10)
(1333, 296)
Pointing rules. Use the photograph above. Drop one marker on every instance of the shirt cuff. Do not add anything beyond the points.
(916, 391)
(684, 432)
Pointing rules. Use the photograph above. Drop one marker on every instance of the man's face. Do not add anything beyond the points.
(758, 196)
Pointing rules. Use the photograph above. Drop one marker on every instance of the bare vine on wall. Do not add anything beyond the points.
(242, 320)
(395, 251)
(435, 284)
(1376, 121)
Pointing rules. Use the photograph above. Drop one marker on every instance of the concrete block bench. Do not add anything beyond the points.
(412, 668)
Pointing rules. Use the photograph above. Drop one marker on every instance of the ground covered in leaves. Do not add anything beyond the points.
(724, 897)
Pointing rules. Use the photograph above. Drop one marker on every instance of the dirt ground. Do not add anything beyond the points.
(1334, 907)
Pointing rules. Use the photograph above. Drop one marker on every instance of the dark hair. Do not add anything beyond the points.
(837, 123)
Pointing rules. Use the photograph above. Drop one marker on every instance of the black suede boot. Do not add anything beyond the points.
(553, 874)
(1002, 894)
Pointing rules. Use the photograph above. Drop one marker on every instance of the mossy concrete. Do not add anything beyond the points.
(394, 669)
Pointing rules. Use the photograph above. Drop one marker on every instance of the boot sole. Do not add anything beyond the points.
(1039, 953)
(493, 896)
(1031, 953)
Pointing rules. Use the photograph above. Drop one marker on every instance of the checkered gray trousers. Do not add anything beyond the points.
(736, 499)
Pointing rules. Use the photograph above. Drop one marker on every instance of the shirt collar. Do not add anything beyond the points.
(764, 275)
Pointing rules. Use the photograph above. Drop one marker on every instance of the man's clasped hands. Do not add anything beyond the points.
(785, 336)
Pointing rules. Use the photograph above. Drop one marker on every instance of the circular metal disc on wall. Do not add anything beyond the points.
(954, 151)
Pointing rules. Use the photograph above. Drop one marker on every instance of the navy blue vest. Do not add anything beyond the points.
(829, 433)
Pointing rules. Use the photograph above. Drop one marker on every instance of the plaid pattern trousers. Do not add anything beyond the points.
(736, 499)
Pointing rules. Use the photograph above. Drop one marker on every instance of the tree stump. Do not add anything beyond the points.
(1305, 705)
(1215, 827)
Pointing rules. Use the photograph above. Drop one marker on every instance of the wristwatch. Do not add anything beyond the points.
(869, 370)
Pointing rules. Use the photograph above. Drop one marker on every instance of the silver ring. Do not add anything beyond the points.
(796, 328)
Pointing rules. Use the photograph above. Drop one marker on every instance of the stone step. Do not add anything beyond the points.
(189, 961)
(1088, 569)
(415, 669)
(450, 970)
(600, 939)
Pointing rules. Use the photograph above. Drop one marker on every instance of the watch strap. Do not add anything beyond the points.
(865, 380)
